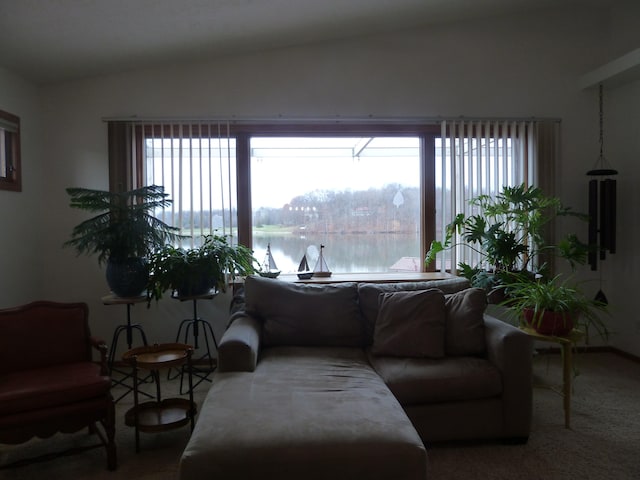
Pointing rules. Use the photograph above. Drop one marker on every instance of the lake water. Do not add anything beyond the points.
(342, 253)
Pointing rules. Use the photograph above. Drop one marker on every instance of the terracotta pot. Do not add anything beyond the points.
(550, 323)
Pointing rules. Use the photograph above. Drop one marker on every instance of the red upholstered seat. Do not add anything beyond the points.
(51, 386)
(49, 381)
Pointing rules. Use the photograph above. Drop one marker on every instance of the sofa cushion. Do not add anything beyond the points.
(410, 324)
(305, 315)
(464, 326)
(369, 294)
(423, 380)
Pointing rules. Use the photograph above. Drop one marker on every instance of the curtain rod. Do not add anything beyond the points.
(333, 119)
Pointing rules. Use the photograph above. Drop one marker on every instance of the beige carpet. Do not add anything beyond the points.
(603, 443)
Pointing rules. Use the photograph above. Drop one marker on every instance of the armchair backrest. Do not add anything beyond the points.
(44, 333)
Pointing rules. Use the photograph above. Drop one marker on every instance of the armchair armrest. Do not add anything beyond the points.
(240, 344)
(511, 351)
(100, 346)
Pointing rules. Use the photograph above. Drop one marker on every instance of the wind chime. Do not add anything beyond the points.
(602, 207)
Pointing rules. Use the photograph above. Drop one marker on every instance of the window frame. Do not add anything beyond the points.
(126, 168)
(425, 133)
(243, 132)
(11, 179)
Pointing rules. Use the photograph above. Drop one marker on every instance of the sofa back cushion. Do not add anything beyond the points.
(369, 294)
(305, 315)
(464, 329)
(410, 324)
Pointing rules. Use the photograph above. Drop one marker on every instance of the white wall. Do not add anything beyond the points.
(621, 271)
(21, 278)
(511, 66)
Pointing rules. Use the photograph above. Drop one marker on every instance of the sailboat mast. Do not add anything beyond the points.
(321, 269)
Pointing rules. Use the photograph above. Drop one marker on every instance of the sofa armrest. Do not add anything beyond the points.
(511, 351)
(240, 344)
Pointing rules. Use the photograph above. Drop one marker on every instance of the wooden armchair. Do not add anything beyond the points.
(48, 380)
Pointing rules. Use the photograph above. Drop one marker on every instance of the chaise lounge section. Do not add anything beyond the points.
(351, 380)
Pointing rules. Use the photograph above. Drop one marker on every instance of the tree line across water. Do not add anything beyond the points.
(391, 209)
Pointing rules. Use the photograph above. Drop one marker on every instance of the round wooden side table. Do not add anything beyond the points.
(160, 414)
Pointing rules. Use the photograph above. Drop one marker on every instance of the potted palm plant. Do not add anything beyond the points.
(508, 234)
(196, 271)
(122, 234)
(554, 306)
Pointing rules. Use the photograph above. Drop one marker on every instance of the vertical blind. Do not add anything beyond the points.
(194, 162)
(480, 158)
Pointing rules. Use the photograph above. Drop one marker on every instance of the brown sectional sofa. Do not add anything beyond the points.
(351, 380)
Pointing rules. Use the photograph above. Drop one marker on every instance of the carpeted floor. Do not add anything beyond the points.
(603, 442)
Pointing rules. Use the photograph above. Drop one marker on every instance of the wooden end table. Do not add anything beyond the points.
(566, 343)
(160, 414)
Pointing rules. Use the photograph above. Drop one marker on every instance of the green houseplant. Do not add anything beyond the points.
(554, 306)
(195, 271)
(508, 233)
(122, 234)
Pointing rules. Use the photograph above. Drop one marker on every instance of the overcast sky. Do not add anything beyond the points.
(277, 175)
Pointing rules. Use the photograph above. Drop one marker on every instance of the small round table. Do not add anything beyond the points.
(566, 343)
(159, 414)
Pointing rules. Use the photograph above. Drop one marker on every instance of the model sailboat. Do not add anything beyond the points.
(321, 269)
(304, 272)
(269, 268)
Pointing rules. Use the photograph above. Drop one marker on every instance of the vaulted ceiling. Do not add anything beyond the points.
(53, 40)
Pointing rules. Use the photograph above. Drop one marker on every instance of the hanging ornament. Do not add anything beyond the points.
(602, 206)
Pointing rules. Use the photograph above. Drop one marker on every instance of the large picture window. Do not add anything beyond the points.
(358, 196)
(374, 195)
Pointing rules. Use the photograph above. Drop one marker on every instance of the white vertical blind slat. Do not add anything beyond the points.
(210, 178)
(453, 188)
(198, 179)
(229, 184)
(483, 158)
(182, 158)
(442, 213)
(220, 169)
